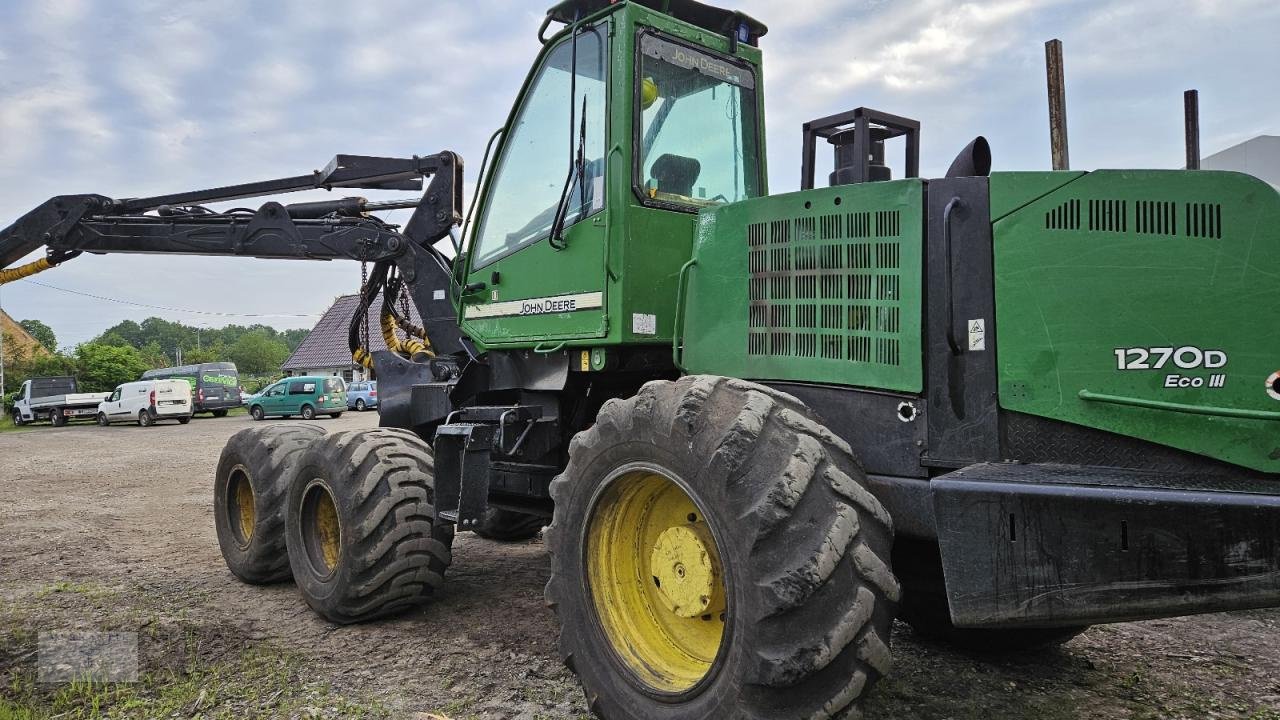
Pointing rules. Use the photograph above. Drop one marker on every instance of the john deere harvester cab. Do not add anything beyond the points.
(590, 204)
(1001, 406)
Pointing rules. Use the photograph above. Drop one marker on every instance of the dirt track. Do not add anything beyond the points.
(112, 528)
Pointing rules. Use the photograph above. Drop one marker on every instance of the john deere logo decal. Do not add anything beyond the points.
(537, 306)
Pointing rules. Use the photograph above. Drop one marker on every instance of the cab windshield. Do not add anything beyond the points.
(698, 141)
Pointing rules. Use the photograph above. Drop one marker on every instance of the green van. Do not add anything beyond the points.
(305, 397)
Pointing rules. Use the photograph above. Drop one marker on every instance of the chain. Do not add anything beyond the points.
(364, 321)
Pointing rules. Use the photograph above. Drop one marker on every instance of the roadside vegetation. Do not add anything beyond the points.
(124, 351)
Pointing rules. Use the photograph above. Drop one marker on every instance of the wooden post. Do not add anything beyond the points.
(1191, 111)
(1057, 105)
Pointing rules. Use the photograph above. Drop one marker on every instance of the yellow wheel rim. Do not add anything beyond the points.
(656, 580)
(241, 510)
(323, 533)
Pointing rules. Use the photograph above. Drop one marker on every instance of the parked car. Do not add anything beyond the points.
(362, 395)
(215, 387)
(54, 398)
(146, 402)
(305, 397)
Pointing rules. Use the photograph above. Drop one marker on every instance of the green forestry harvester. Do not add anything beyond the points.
(1000, 406)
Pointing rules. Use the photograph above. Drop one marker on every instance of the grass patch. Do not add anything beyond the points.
(89, 590)
(253, 683)
(6, 425)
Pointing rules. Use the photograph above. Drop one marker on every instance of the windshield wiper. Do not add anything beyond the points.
(556, 239)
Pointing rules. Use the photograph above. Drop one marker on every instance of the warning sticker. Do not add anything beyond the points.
(642, 324)
(977, 335)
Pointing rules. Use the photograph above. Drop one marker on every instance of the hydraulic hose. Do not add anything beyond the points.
(22, 271)
(410, 347)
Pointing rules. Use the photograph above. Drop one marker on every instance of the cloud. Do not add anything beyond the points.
(164, 95)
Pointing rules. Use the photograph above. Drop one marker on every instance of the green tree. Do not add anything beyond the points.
(125, 333)
(293, 338)
(205, 354)
(42, 333)
(256, 353)
(156, 337)
(155, 356)
(102, 367)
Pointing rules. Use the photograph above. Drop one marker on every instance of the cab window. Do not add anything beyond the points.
(275, 390)
(698, 144)
(530, 176)
(115, 396)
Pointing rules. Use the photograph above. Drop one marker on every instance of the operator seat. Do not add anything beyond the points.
(676, 174)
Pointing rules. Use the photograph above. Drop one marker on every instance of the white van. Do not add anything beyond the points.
(146, 402)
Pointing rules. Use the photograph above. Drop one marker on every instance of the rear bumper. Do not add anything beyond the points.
(226, 404)
(1046, 546)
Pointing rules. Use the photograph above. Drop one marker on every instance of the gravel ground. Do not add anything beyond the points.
(112, 528)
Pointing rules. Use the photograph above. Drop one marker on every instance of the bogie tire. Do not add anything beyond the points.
(808, 591)
(184, 421)
(263, 459)
(360, 405)
(219, 413)
(924, 607)
(102, 420)
(144, 419)
(256, 413)
(57, 418)
(388, 553)
(308, 412)
(508, 525)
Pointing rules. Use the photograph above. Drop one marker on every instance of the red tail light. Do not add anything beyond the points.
(200, 395)
(373, 393)
(153, 398)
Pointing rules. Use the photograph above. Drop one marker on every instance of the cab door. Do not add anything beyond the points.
(113, 402)
(526, 284)
(272, 399)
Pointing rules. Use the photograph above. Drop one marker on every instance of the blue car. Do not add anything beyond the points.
(362, 395)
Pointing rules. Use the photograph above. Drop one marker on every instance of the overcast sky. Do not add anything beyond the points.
(141, 98)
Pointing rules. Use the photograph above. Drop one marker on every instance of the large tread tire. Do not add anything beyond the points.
(813, 597)
(924, 607)
(265, 458)
(508, 525)
(391, 552)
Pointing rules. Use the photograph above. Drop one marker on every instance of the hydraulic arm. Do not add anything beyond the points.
(180, 223)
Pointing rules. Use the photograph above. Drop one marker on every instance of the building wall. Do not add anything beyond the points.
(1259, 157)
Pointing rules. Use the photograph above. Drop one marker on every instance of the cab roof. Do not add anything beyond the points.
(702, 15)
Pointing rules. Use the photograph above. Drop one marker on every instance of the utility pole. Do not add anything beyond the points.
(1057, 105)
(1191, 122)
